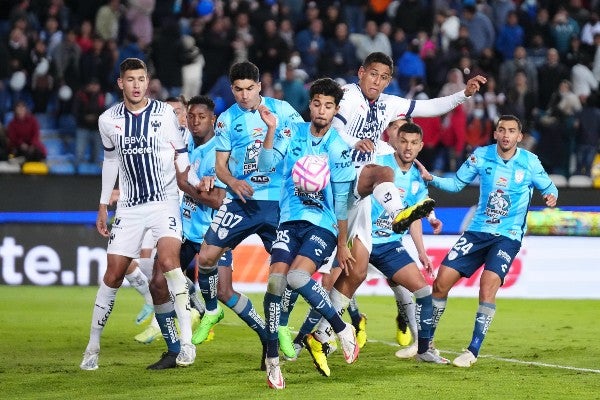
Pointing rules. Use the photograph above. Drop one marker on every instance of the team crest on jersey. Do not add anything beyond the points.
(519, 175)
(155, 125)
(497, 206)
(502, 181)
(414, 187)
(381, 106)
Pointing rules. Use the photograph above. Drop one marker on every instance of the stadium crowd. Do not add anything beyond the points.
(541, 59)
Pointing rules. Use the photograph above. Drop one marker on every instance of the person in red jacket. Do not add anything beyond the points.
(23, 134)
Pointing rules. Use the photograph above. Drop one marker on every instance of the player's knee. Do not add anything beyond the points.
(206, 269)
(439, 290)
(297, 278)
(276, 284)
(384, 174)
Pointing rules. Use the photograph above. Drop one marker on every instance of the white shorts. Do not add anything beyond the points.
(148, 242)
(162, 219)
(359, 217)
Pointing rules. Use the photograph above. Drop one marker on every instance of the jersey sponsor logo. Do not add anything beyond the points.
(250, 162)
(287, 132)
(257, 132)
(117, 127)
(137, 150)
(414, 187)
(504, 255)
(319, 241)
(260, 179)
(472, 159)
(342, 165)
(498, 205)
(502, 181)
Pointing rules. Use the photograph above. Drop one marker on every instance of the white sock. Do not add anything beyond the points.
(388, 195)
(404, 300)
(105, 301)
(146, 265)
(340, 302)
(138, 280)
(177, 283)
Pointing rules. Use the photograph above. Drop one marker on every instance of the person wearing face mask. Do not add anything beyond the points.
(479, 125)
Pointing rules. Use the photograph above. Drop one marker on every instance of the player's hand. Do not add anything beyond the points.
(207, 183)
(427, 177)
(365, 145)
(345, 259)
(436, 224)
(426, 262)
(101, 220)
(550, 200)
(267, 116)
(242, 189)
(474, 84)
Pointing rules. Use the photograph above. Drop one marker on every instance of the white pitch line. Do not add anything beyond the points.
(509, 360)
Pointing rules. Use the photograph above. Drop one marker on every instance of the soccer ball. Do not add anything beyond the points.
(311, 173)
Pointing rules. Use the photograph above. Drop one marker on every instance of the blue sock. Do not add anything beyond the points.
(287, 304)
(208, 287)
(439, 306)
(310, 322)
(166, 322)
(483, 320)
(243, 307)
(354, 312)
(424, 315)
(272, 308)
(318, 298)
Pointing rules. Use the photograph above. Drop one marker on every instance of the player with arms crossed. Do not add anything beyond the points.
(507, 176)
(365, 112)
(311, 223)
(140, 137)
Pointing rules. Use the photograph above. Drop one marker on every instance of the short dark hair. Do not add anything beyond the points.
(244, 70)
(411, 127)
(205, 100)
(173, 99)
(130, 64)
(510, 117)
(379, 57)
(327, 87)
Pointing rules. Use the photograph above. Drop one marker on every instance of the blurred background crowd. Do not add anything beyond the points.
(541, 59)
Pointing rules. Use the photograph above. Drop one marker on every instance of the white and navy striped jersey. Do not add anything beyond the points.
(359, 118)
(145, 143)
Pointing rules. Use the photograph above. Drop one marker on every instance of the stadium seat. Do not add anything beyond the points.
(54, 145)
(34, 168)
(46, 121)
(89, 169)
(559, 180)
(580, 181)
(61, 165)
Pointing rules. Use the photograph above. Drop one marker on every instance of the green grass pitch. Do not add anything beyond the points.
(535, 349)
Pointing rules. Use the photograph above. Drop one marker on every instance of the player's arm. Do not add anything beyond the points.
(443, 105)
(205, 193)
(462, 178)
(240, 188)
(416, 233)
(364, 145)
(110, 172)
(267, 157)
(544, 184)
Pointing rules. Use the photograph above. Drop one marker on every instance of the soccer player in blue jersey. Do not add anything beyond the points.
(197, 219)
(251, 205)
(140, 137)
(507, 176)
(311, 224)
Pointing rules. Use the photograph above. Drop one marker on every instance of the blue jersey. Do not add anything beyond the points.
(196, 217)
(505, 189)
(296, 141)
(412, 189)
(241, 133)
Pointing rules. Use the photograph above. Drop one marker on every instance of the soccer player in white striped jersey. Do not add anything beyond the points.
(365, 112)
(140, 137)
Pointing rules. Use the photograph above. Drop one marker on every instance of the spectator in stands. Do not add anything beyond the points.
(510, 36)
(108, 20)
(481, 29)
(244, 37)
(331, 19)
(294, 91)
(271, 49)
(519, 62)
(65, 59)
(215, 44)
(192, 69)
(167, 56)
(479, 125)
(311, 46)
(23, 133)
(88, 105)
(341, 61)
(588, 134)
(537, 50)
(582, 77)
(51, 34)
(85, 36)
(520, 100)
(354, 14)
(589, 29)
(445, 29)
(454, 124)
(3, 144)
(410, 66)
(562, 29)
(139, 20)
(97, 64)
(370, 41)
(549, 77)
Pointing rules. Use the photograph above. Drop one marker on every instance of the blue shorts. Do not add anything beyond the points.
(389, 258)
(189, 250)
(302, 238)
(473, 249)
(235, 221)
